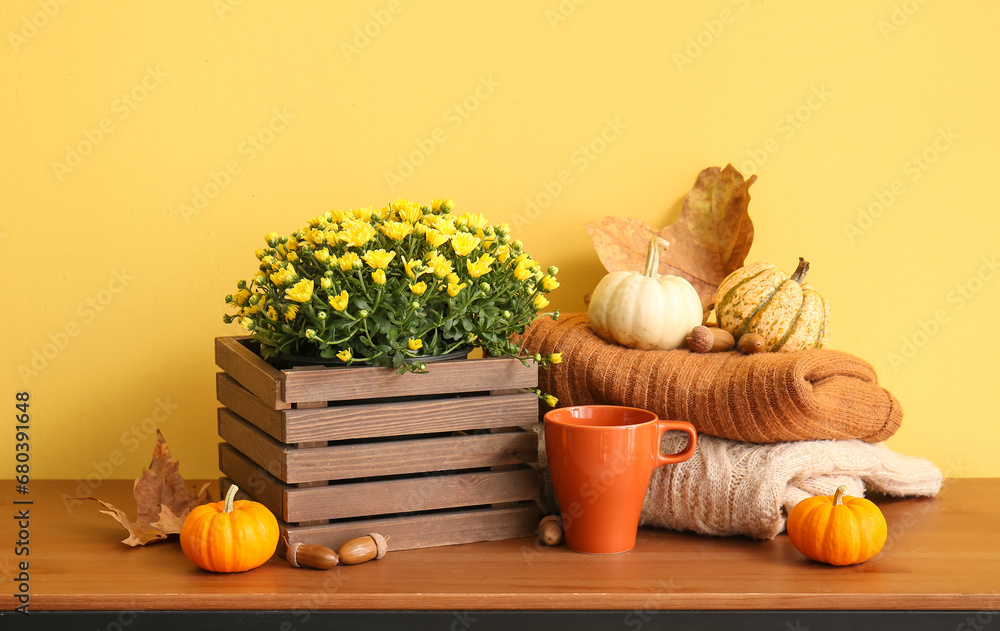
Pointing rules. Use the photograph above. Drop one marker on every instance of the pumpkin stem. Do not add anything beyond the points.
(653, 256)
(800, 272)
(230, 496)
(838, 497)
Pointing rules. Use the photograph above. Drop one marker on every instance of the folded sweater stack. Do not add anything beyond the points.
(773, 428)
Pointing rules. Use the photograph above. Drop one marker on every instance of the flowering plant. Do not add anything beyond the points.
(389, 286)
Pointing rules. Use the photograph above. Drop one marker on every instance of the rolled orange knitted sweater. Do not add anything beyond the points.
(760, 398)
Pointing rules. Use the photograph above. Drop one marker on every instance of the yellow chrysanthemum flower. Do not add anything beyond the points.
(378, 277)
(453, 279)
(338, 216)
(378, 259)
(503, 253)
(272, 315)
(555, 358)
(291, 311)
(241, 297)
(454, 288)
(435, 237)
(344, 355)
(332, 237)
(442, 205)
(540, 301)
(396, 230)
(363, 214)
(284, 276)
(418, 288)
(549, 283)
(349, 261)
(357, 234)
(414, 344)
(447, 226)
(246, 323)
(522, 272)
(442, 266)
(293, 257)
(464, 243)
(322, 255)
(413, 267)
(339, 302)
(271, 238)
(301, 291)
(472, 220)
(480, 266)
(411, 213)
(325, 283)
(550, 400)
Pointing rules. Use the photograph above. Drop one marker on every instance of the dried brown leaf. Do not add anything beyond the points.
(139, 534)
(710, 239)
(161, 497)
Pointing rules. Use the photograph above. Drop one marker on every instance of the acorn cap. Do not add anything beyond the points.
(381, 544)
(292, 554)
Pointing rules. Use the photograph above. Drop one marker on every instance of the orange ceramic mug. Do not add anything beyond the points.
(601, 458)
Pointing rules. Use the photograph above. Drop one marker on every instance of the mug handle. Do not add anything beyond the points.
(681, 456)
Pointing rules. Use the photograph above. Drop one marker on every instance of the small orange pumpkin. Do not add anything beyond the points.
(839, 530)
(229, 536)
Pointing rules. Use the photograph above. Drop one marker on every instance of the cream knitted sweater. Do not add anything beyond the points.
(735, 488)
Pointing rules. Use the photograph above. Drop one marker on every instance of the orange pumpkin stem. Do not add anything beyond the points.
(838, 497)
(800, 272)
(230, 496)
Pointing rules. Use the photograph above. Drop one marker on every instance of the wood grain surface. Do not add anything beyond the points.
(378, 418)
(362, 382)
(417, 454)
(943, 553)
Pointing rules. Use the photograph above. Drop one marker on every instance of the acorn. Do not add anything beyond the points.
(705, 339)
(309, 555)
(752, 343)
(361, 549)
(550, 530)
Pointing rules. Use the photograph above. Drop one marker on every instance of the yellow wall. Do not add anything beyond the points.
(115, 270)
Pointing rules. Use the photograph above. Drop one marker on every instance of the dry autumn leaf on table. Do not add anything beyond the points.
(710, 239)
(161, 497)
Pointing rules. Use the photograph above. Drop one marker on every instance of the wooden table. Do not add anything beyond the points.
(939, 569)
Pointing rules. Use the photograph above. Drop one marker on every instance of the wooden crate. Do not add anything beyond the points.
(427, 459)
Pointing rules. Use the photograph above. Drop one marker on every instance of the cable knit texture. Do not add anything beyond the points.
(736, 488)
(760, 398)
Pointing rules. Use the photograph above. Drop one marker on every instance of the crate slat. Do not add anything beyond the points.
(465, 375)
(246, 367)
(424, 531)
(252, 480)
(242, 402)
(339, 462)
(417, 531)
(379, 497)
(376, 420)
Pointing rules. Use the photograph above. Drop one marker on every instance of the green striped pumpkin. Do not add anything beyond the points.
(789, 314)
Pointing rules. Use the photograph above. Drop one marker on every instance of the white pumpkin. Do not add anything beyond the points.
(645, 310)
